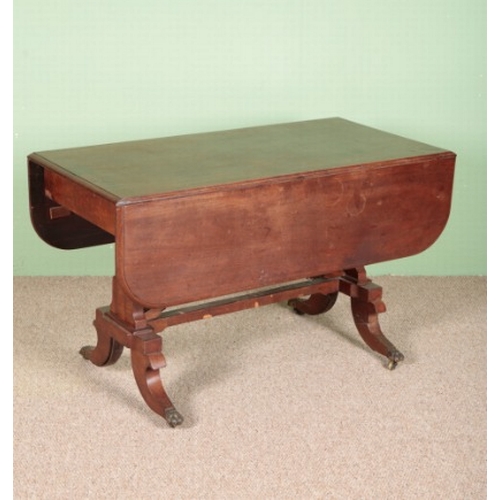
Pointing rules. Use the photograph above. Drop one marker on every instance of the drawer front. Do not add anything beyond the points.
(177, 250)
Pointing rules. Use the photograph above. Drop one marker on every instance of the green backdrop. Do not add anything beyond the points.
(115, 70)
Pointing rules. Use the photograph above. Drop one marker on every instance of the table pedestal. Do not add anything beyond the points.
(128, 324)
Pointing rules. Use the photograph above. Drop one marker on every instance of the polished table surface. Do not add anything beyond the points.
(240, 218)
(166, 165)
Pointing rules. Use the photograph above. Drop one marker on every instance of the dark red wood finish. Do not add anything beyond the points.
(240, 219)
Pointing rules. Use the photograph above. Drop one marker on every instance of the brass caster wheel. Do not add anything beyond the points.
(173, 417)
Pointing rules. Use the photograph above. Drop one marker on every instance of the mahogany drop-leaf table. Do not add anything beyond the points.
(211, 223)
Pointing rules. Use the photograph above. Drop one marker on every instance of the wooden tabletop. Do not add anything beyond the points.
(164, 165)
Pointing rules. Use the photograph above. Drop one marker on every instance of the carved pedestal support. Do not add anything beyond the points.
(147, 359)
(317, 303)
(366, 305)
(125, 324)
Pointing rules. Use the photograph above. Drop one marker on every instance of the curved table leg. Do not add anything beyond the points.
(365, 315)
(147, 359)
(108, 350)
(366, 304)
(317, 303)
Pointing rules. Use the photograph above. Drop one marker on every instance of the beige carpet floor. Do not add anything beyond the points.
(276, 405)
